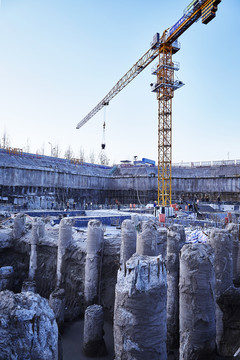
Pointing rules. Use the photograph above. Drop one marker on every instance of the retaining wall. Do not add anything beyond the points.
(32, 181)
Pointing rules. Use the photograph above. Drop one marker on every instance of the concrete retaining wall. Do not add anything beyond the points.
(45, 182)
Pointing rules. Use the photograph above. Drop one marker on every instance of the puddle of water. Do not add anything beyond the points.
(72, 342)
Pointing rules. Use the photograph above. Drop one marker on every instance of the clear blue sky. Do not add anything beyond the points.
(60, 58)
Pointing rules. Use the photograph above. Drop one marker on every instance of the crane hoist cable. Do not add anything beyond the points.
(103, 145)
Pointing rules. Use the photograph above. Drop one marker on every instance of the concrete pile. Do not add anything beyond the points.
(28, 329)
(8, 235)
(225, 244)
(229, 303)
(163, 303)
(128, 241)
(57, 297)
(65, 237)
(38, 232)
(193, 320)
(140, 297)
(34, 243)
(57, 303)
(175, 241)
(197, 303)
(19, 225)
(6, 278)
(222, 243)
(93, 342)
(234, 231)
(93, 262)
(147, 239)
(162, 242)
(140, 309)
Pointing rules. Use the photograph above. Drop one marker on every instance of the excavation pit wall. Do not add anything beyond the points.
(16, 253)
(31, 181)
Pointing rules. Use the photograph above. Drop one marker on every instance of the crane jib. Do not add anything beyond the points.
(138, 67)
(193, 3)
(178, 23)
(190, 9)
(193, 11)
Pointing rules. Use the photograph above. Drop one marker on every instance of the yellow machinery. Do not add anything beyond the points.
(163, 47)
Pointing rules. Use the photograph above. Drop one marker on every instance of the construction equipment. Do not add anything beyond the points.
(103, 145)
(163, 47)
(102, 156)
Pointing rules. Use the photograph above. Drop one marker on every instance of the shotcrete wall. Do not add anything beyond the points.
(45, 182)
(141, 183)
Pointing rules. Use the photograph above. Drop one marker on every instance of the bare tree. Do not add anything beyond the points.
(92, 157)
(55, 151)
(5, 142)
(40, 151)
(81, 154)
(26, 148)
(68, 153)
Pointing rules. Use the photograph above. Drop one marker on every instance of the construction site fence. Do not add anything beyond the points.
(206, 163)
(207, 223)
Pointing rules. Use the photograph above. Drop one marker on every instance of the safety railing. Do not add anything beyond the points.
(206, 163)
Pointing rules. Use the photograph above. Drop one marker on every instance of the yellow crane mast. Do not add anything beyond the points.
(163, 47)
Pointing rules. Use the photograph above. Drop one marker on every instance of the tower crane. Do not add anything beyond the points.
(163, 47)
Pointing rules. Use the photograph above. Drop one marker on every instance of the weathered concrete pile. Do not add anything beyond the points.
(93, 262)
(54, 258)
(38, 233)
(222, 244)
(28, 329)
(93, 342)
(6, 277)
(57, 297)
(140, 309)
(128, 241)
(64, 239)
(234, 231)
(163, 294)
(197, 302)
(147, 239)
(229, 303)
(140, 301)
(175, 241)
(162, 242)
(57, 258)
(196, 282)
(19, 226)
(57, 303)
